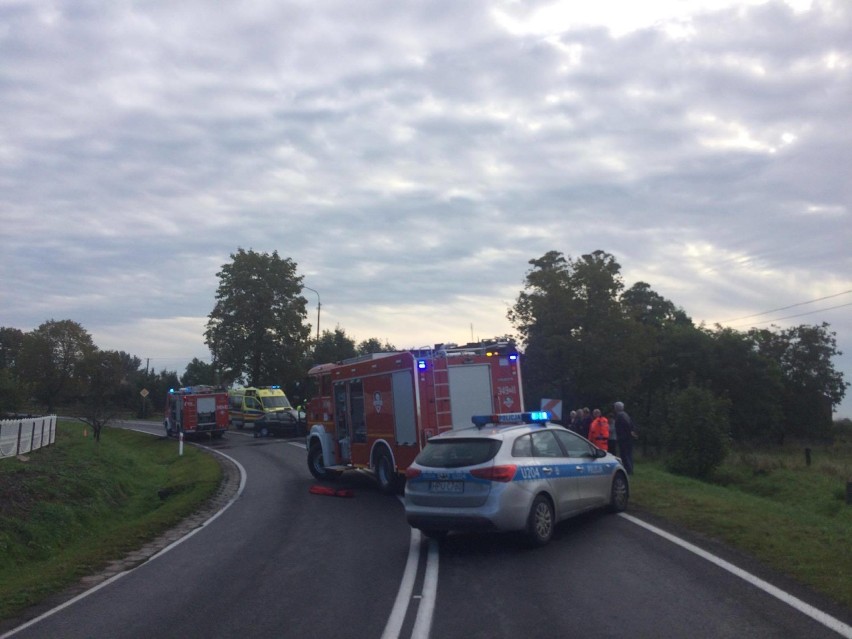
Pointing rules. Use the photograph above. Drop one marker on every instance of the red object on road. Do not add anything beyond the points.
(331, 492)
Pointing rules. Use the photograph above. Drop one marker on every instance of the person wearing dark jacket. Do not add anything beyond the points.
(626, 432)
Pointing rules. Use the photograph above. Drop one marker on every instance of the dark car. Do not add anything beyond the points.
(287, 423)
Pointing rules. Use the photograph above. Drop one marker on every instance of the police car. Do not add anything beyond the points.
(510, 472)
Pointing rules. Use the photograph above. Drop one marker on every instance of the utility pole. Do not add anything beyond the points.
(319, 306)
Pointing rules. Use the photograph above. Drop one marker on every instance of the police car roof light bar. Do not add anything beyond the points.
(532, 417)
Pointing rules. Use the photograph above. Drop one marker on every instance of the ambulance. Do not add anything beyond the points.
(196, 410)
(248, 405)
(377, 412)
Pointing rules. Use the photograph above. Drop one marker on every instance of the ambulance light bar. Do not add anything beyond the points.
(532, 417)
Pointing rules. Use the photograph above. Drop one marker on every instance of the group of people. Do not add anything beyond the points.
(614, 433)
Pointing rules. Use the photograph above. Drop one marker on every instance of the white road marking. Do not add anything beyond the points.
(406, 586)
(426, 609)
(817, 615)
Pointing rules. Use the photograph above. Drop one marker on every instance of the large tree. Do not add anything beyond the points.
(580, 344)
(257, 329)
(50, 359)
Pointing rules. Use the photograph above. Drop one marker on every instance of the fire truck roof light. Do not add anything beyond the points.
(533, 417)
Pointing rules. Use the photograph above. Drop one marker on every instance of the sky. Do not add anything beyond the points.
(412, 158)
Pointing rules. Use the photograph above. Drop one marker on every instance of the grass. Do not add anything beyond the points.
(773, 506)
(69, 509)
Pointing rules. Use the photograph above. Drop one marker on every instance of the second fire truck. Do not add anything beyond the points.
(377, 411)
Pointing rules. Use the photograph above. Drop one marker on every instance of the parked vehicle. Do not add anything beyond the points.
(247, 405)
(514, 472)
(196, 410)
(376, 412)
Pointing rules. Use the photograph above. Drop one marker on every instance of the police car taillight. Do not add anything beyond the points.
(411, 473)
(502, 473)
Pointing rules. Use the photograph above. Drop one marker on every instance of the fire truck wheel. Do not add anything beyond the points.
(388, 482)
(316, 464)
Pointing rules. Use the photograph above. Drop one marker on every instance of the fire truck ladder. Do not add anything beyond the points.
(441, 389)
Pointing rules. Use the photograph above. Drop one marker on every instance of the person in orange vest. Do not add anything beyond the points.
(599, 430)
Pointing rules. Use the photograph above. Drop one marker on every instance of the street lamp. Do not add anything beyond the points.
(319, 306)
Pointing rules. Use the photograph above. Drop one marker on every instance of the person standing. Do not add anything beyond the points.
(585, 423)
(599, 430)
(613, 437)
(625, 431)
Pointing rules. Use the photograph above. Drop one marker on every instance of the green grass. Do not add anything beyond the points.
(69, 509)
(773, 506)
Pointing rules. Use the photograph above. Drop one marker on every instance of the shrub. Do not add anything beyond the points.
(697, 432)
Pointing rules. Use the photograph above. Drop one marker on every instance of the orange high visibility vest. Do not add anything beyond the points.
(599, 432)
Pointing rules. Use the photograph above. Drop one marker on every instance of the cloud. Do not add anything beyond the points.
(413, 157)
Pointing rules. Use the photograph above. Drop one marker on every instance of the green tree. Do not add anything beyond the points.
(198, 372)
(375, 345)
(11, 341)
(50, 357)
(256, 329)
(104, 388)
(697, 432)
(580, 345)
(334, 346)
(811, 385)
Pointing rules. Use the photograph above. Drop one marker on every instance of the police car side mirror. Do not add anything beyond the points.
(600, 452)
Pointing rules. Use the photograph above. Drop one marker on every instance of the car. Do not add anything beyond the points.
(289, 423)
(510, 472)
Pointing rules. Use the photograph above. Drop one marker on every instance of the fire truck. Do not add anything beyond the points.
(196, 410)
(377, 411)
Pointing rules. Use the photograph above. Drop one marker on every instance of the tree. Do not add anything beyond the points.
(104, 388)
(256, 329)
(580, 345)
(811, 385)
(334, 346)
(375, 345)
(697, 432)
(198, 372)
(50, 357)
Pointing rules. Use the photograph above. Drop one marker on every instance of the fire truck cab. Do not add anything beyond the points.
(377, 411)
(196, 409)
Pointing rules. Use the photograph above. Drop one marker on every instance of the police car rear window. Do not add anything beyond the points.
(455, 453)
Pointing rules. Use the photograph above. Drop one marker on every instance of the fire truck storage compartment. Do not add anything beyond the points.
(470, 393)
(403, 408)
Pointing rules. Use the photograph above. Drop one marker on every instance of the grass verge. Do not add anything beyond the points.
(791, 516)
(69, 509)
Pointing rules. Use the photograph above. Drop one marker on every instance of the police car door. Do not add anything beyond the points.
(583, 462)
(556, 468)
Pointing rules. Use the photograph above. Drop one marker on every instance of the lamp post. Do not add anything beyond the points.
(319, 306)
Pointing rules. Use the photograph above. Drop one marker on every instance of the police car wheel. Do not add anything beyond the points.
(540, 521)
(619, 494)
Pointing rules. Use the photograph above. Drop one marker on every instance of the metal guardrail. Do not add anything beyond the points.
(20, 436)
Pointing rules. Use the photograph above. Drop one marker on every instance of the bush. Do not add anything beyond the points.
(697, 432)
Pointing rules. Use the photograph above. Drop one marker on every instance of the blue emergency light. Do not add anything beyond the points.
(533, 417)
(421, 364)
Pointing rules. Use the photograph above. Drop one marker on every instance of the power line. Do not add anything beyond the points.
(778, 319)
(784, 308)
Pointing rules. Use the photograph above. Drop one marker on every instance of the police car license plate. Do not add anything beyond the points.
(445, 486)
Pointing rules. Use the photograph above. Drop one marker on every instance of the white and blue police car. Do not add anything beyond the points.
(510, 472)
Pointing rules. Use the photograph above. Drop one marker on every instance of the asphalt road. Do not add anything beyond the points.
(282, 562)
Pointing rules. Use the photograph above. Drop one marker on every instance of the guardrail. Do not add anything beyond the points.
(19, 436)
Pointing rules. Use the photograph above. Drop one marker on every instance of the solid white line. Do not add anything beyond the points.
(817, 615)
(103, 584)
(426, 611)
(406, 586)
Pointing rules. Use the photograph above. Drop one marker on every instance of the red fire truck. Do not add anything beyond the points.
(194, 410)
(377, 411)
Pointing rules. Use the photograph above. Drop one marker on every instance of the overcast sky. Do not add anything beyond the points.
(412, 157)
